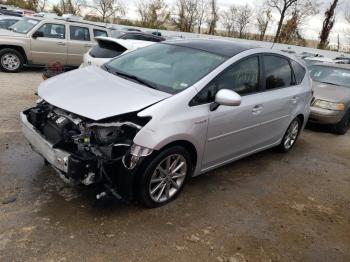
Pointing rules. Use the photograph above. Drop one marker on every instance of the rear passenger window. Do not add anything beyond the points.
(98, 32)
(278, 72)
(299, 72)
(79, 33)
(52, 30)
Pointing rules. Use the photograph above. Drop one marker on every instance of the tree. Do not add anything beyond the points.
(243, 19)
(228, 20)
(107, 8)
(202, 8)
(153, 13)
(327, 25)
(282, 7)
(186, 15)
(290, 31)
(263, 18)
(213, 17)
(68, 7)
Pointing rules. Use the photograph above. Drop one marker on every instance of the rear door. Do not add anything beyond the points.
(279, 99)
(52, 47)
(80, 41)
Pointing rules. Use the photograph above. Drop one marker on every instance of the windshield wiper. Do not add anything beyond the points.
(330, 83)
(133, 77)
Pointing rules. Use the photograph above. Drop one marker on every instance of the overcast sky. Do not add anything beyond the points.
(310, 29)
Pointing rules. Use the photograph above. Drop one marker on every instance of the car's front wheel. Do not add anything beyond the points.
(291, 135)
(164, 177)
(11, 60)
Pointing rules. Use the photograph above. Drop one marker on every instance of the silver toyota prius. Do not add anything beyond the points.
(147, 121)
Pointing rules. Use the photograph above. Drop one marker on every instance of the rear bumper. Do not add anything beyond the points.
(56, 157)
(325, 116)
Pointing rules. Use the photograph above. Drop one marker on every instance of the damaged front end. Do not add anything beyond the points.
(86, 151)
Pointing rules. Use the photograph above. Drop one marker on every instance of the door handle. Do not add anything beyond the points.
(294, 99)
(61, 43)
(257, 109)
(87, 45)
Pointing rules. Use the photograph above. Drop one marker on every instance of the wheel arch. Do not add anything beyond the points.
(17, 48)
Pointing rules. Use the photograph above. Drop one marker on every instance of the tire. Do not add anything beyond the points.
(343, 126)
(11, 60)
(291, 135)
(163, 180)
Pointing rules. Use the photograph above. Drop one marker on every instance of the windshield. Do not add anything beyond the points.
(24, 26)
(330, 75)
(168, 68)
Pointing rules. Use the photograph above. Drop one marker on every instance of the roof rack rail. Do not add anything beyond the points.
(79, 20)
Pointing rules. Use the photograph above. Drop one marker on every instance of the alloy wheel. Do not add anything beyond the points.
(10, 61)
(291, 135)
(168, 178)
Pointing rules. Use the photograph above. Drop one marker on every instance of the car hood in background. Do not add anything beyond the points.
(8, 33)
(96, 94)
(330, 92)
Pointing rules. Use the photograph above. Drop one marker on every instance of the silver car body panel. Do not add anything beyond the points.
(219, 136)
(99, 96)
(211, 132)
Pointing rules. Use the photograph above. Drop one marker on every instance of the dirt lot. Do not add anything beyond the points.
(268, 207)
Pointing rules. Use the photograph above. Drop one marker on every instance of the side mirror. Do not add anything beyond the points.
(38, 34)
(226, 97)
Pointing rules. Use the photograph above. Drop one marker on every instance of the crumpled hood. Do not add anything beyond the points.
(330, 92)
(96, 94)
(8, 33)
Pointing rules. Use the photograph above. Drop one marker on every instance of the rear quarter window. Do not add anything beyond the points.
(299, 72)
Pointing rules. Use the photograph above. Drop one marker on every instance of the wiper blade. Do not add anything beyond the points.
(330, 83)
(133, 77)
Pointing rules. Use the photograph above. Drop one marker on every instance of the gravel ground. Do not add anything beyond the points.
(267, 207)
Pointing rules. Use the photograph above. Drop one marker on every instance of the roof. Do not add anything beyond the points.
(342, 66)
(220, 47)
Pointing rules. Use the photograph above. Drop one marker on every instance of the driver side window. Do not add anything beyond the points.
(242, 77)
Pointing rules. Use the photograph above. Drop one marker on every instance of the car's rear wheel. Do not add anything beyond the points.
(11, 60)
(291, 135)
(343, 126)
(164, 177)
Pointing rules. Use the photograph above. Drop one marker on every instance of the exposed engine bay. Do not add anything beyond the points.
(98, 150)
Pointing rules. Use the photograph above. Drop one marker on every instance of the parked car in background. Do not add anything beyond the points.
(342, 59)
(331, 103)
(10, 13)
(316, 60)
(108, 47)
(134, 35)
(39, 41)
(148, 120)
(309, 54)
(7, 21)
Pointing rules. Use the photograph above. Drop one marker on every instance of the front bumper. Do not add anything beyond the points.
(325, 116)
(57, 158)
(71, 168)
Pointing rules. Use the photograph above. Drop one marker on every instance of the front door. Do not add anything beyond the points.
(52, 46)
(234, 131)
